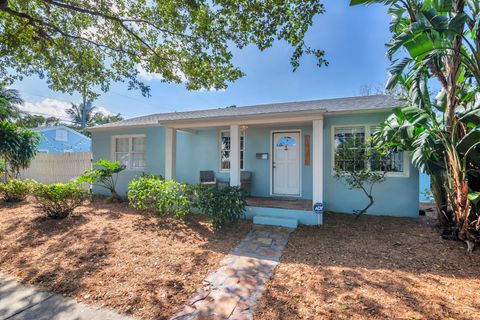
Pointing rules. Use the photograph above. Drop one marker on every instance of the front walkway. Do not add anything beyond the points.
(19, 302)
(232, 291)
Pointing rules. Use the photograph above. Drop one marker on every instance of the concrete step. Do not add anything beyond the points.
(274, 221)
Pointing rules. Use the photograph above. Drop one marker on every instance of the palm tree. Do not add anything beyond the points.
(75, 114)
(9, 99)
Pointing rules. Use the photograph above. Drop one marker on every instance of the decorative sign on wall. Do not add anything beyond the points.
(307, 149)
(262, 156)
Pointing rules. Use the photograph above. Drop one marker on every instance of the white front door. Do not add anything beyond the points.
(286, 163)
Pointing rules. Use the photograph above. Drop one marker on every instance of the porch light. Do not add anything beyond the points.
(243, 127)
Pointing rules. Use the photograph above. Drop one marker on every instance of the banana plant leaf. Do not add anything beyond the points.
(474, 197)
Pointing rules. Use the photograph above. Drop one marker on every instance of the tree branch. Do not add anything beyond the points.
(112, 17)
(39, 25)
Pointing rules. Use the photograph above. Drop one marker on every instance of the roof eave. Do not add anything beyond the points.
(238, 118)
(122, 127)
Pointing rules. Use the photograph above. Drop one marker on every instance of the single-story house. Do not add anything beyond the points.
(61, 139)
(287, 149)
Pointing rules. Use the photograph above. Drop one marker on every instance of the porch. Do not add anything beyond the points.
(280, 159)
(280, 203)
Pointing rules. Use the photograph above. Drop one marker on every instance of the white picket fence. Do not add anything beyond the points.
(57, 167)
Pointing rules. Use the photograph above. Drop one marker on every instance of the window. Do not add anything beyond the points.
(285, 142)
(61, 135)
(393, 162)
(350, 142)
(225, 150)
(130, 150)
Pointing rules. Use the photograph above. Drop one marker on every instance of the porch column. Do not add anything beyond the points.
(317, 160)
(235, 155)
(170, 153)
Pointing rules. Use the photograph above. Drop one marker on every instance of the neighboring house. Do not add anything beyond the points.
(61, 139)
(288, 148)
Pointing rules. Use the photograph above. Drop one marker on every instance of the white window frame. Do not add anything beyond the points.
(64, 137)
(242, 134)
(130, 137)
(367, 128)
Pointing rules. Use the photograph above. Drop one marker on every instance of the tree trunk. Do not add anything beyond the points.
(440, 196)
(358, 213)
(116, 197)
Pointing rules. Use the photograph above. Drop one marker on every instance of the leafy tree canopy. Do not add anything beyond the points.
(34, 121)
(9, 99)
(84, 45)
(439, 41)
(17, 148)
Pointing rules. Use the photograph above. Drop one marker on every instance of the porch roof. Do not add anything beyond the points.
(350, 104)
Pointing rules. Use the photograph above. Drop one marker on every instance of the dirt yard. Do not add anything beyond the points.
(111, 255)
(373, 268)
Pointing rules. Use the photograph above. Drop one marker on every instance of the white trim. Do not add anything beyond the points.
(170, 153)
(278, 118)
(406, 156)
(300, 166)
(130, 136)
(219, 139)
(317, 160)
(235, 155)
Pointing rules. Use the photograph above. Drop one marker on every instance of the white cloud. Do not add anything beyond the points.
(103, 110)
(144, 74)
(49, 107)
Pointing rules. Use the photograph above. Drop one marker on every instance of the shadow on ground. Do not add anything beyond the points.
(373, 268)
(111, 255)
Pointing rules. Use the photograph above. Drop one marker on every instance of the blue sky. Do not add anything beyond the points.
(353, 38)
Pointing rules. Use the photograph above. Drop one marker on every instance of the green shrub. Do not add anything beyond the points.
(15, 190)
(59, 200)
(223, 206)
(104, 174)
(164, 197)
(2, 167)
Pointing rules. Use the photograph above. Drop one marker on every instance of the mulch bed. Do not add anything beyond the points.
(373, 268)
(111, 255)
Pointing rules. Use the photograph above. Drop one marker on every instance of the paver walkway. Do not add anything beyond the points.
(232, 291)
(19, 302)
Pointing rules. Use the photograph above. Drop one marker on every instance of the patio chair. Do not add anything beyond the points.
(246, 181)
(207, 178)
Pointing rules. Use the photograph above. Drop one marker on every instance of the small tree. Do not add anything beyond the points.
(361, 167)
(104, 174)
(17, 148)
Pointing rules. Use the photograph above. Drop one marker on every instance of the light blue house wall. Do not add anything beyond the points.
(203, 154)
(75, 142)
(397, 196)
(424, 186)
(199, 151)
(155, 154)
